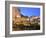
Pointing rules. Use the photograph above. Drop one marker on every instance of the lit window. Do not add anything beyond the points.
(18, 16)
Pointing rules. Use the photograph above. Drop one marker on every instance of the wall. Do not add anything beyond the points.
(2, 19)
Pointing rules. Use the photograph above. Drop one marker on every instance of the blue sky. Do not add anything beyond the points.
(26, 11)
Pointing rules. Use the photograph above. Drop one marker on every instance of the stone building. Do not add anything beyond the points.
(15, 15)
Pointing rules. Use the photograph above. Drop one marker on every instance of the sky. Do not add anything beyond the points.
(26, 11)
